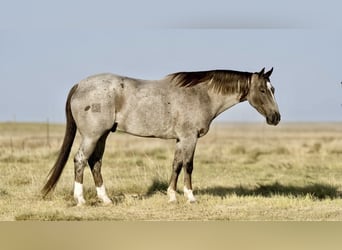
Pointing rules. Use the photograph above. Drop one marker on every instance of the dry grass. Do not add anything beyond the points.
(242, 172)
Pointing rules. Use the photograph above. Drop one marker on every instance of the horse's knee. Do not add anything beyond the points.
(189, 167)
(177, 166)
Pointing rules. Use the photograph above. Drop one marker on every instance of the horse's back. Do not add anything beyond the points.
(149, 108)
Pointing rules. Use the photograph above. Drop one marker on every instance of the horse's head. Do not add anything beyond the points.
(261, 96)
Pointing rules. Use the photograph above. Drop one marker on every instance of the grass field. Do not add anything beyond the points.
(241, 172)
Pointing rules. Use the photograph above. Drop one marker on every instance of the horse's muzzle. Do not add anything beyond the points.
(273, 119)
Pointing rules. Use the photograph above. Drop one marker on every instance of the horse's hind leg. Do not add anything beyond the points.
(81, 159)
(95, 163)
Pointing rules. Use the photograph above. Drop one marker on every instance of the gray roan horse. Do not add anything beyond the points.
(181, 106)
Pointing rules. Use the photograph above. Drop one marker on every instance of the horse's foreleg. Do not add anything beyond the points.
(188, 167)
(176, 169)
(184, 155)
(95, 163)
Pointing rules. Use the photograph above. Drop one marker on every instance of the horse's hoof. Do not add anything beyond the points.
(172, 195)
(80, 201)
(80, 204)
(189, 195)
(191, 201)
(172, 200)
(107, 203)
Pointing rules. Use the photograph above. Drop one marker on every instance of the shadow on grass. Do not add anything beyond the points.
(157, 186)
(316, 191)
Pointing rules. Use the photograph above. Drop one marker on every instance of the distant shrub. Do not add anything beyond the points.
(281, 151)
(315, 148)
(238, 150)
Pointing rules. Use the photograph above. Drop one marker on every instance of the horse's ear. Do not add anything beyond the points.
(268, 73)
(261, 73)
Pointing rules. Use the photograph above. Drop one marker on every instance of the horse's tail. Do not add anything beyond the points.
(69, 137)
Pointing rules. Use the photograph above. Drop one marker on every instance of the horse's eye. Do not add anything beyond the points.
(262, 90)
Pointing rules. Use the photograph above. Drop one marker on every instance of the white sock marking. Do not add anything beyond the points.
(172, 195)
(189, 194)
(101, 193)
(78, 193)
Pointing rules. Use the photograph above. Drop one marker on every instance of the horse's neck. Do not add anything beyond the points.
(220, 102)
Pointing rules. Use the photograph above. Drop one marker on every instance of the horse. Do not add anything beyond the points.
(181, 106)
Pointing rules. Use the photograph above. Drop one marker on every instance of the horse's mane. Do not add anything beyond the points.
(220, 81)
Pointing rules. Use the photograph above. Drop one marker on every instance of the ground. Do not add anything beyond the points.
(241, 172)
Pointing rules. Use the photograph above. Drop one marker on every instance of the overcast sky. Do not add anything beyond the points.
(45, 48)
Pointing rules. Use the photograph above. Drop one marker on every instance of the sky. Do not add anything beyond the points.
(45, 48)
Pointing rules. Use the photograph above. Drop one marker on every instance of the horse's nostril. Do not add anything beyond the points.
(276, 118)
